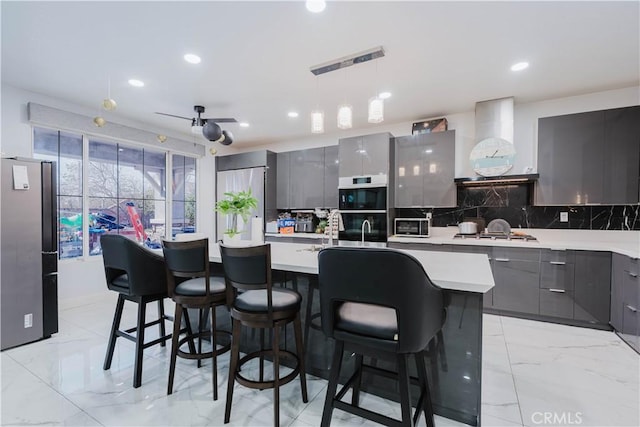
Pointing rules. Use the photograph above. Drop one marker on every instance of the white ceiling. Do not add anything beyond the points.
(441, 57)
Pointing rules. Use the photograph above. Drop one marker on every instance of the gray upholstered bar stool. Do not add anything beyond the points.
(190, 285)
(260, 305)
(379, 303)
(137, 274)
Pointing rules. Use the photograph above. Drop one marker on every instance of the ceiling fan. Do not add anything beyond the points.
(208, 126)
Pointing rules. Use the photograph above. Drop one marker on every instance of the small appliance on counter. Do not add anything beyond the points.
(305, 222)
(412, 227)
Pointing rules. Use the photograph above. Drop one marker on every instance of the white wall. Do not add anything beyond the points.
(80, 277)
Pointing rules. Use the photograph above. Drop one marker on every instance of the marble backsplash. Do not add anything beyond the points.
(513, 204)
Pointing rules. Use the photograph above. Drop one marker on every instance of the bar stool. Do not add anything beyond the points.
(264, 307)
(379, 303)
(191, 286)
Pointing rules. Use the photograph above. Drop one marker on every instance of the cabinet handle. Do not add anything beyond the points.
(557, 263)
(632, 308)
(502, 259)
(558, 291)
(632, 274)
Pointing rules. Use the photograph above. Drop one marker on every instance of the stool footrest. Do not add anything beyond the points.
(207, 355)
(261, 385)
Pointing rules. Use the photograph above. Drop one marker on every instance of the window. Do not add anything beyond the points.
(124, 190)
(126, 193)
(66, 150)
(184, 194)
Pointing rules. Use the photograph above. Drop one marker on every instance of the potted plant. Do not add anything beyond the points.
(234, 204)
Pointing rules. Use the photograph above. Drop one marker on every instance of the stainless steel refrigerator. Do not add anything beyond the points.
(241, 180)
(28, 251)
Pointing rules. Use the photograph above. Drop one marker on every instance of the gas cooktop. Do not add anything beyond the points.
(496, 236)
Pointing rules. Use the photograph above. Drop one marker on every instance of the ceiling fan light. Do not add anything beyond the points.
(345, 116)
(376, 110)
(109, 104)
(226, 138)
(211, 131)
(317, 121)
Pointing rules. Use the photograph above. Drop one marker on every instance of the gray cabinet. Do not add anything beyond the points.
(589, 158)
(625, 299)
(424, 170)
(307, 179)
(557, 283)
(516, 272)
(331, 165)
(365, 155)
(621, 155)
(592, 286)
(283, 178)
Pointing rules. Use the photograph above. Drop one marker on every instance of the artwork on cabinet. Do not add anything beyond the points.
(430, 126)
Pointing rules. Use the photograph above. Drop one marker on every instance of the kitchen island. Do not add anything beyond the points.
(455, 374)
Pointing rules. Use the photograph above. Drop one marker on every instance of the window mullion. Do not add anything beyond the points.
(168, 206)
(85, 197)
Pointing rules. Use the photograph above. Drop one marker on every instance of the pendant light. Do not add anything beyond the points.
(317, 115)
(317, 121)
(345, 116)
(109, 103)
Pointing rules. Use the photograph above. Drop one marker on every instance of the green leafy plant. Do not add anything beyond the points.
(234, 204)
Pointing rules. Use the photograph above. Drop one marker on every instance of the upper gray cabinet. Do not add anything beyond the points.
(283, 177)
(365, 155)
(331, 166)
(424, 170)
(307, 179)
(589, 158)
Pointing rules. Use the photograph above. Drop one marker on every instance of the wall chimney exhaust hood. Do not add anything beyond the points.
(492, 156)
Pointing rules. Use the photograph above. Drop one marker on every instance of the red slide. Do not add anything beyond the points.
(141, 236)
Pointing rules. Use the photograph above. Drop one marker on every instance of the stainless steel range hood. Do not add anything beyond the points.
(494, 119)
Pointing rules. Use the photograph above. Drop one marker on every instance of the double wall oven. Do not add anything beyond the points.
(363, 198)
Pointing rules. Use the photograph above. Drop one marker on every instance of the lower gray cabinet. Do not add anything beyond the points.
(625, 299)
(557, 284)
(592, 286)
(517, 285)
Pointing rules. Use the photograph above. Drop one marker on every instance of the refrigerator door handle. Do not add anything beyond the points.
(49, 252)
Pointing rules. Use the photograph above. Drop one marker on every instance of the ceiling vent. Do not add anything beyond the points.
(347, 61)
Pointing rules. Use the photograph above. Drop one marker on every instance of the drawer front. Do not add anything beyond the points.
(556, 303)
(419, 247)
(566, 257)
(630, 288)
(556, 275)
(633, 267)
(517, 286)
(521, 254)
(472, 249)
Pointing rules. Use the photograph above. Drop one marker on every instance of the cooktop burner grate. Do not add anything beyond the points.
(496, 236)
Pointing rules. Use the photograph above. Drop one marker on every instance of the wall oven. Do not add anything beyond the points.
(363, 198)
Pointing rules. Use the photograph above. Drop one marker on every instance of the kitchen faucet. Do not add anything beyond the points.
(366, 221)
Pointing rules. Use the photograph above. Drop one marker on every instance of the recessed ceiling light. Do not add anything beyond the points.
(192, 59)
(292, 114)
(316, 6)
(136, 83)
(519, 66)
(384, 95)
(244, 124)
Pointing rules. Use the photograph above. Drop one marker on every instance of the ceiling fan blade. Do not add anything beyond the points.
(222, 120)
(173, 115)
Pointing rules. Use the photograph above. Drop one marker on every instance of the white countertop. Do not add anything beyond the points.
(443, 268)
(297, 235)
(622, 242)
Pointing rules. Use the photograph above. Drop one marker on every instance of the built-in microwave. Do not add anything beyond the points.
(412, 227)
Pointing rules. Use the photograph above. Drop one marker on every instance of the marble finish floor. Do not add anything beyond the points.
(534, 374)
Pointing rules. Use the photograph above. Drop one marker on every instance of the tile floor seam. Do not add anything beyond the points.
(515, 387)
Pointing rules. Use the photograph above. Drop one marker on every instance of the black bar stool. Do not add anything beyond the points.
(190, 285)
(260, 306)
(137, 274)
(378, 303)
